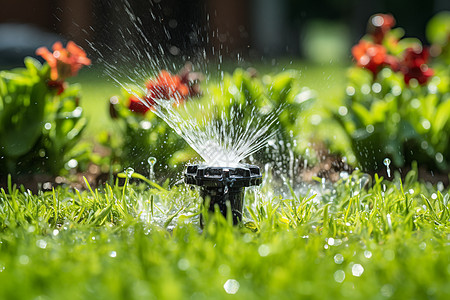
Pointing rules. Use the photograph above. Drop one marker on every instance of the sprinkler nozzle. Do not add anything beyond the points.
(220, 185)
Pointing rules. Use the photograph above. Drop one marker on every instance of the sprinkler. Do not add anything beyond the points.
(222, 185)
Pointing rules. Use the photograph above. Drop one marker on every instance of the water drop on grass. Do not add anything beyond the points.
(387, 290)
(264, 250)
(357, 270)
(338, 259)
(129, 172)
(422, 246)
(183, 264)
(367, 254)
(41, 244)
(231, 286)
(24, 260)
(339, 276)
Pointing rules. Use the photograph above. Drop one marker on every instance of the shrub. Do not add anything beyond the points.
(41, 121)
(398, 100)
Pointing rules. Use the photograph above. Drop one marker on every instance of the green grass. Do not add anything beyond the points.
(389, 241)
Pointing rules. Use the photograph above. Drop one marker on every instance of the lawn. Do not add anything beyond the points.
(388, 240)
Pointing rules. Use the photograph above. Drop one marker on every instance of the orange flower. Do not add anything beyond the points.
(64, 62)
(369, 56)
(165, 87)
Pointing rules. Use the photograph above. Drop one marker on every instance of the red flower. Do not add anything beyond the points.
(414, 65)
(137, 106)
(379, 25)
(64, 62)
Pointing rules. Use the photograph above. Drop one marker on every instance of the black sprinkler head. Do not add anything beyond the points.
(223, 184)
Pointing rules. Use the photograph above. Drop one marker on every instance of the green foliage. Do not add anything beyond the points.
(387, 241)
(257, 97)
(438, 32)
(136, 137)
(39, 130)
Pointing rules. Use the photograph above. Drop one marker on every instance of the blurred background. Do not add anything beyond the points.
(319, 31)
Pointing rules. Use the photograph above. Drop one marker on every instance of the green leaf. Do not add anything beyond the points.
(441, 118)
(33, 65)
(23, 127)
(281, 86)
(363, 114)
(438, 29)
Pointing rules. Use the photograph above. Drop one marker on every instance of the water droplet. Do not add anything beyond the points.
(387, 162)
(343, 110)
(146, 125)
(41, 244)
(129, 172)
(183, 264)
(422, 246)
(151, 162)
(231, 286)
(370, 128)
(367, 254)
(264, 250)
(339, 276)
(357, 270)
(365, 89)
(24, 260)
(344, 175)
(439, 157)
(350, 90)
(73, 163)
(426, 124)
(338, 259)
(387, 290)
(112, 254)
(376, 87)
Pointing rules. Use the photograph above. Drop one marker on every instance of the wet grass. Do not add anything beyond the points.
(387, 241)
